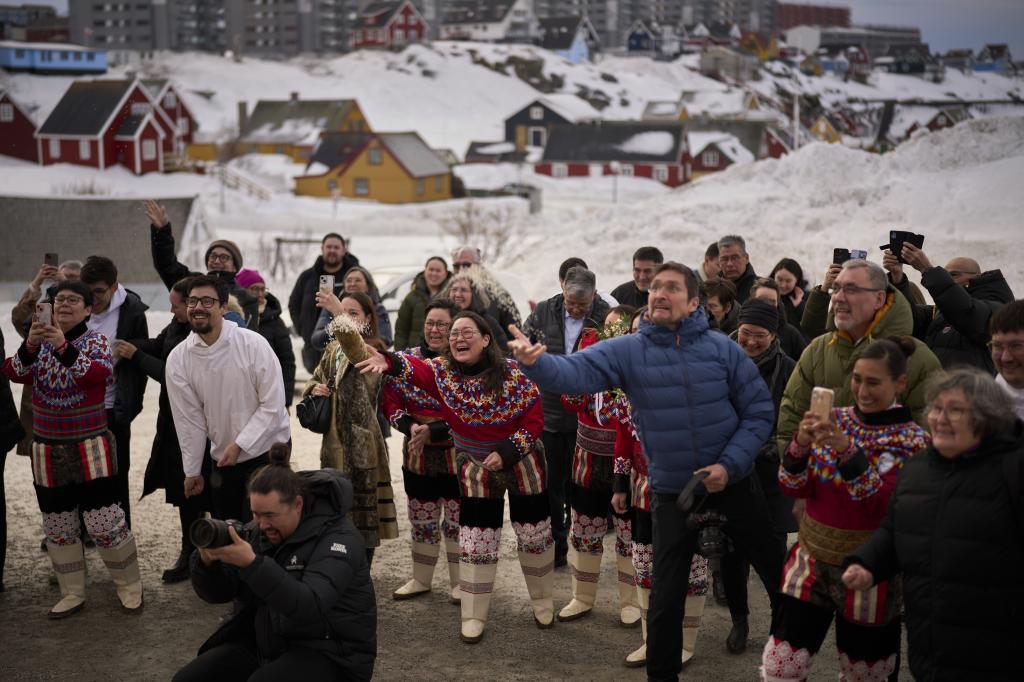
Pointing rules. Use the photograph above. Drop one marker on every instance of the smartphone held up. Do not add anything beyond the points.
(44, 314)
(822, 400)
(327, 284)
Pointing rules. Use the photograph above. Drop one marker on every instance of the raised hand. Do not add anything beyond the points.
(893, 266)
(523, 349)
(915, 257)
(156, 213)
(47, 272)
(377, 363)
(830, 277)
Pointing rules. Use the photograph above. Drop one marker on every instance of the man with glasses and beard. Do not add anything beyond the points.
(224, 384)
(334, 259)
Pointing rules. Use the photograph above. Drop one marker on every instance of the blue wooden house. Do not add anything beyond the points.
(642, 38)
(994, 59)
(51, 58)
(572, 38)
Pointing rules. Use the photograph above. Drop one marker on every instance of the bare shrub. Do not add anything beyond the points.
(489, 229)
(81, 188)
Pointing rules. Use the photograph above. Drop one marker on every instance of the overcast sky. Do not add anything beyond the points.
(945, 24)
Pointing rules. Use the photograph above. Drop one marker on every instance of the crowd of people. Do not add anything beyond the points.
(701, 416)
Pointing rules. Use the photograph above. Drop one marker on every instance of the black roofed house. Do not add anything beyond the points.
(573, 38)
(392, 168)
(489, 20)
(658, 151)
(102, 123)
(529, 127)
(391, 24)
(294, 126)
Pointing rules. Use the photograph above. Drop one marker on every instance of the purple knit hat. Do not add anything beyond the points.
(245, 278)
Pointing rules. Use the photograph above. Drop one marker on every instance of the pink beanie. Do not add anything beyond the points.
(245, 278)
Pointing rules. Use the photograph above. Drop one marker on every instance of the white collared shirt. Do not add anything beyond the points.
(106, 323)
(229, 392)
(573, 327)
(1017, 394)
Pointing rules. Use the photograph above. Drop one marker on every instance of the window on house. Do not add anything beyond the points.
(90, 57)
(140, 108)
(421, 187)
(78, 56)
(148, 150)
(6, 113)
(661, 173)
(439, 184)
(84, 149)
(537, 113)
(559, 170)
(54, 148)
(626, 170)
(399, 35)
(183, 127)
(362, 187)
(538, 137)
(170, 100)
(710, 159)
(373, 157)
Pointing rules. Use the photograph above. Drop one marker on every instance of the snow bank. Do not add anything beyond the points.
(960, 187)
(656, 143)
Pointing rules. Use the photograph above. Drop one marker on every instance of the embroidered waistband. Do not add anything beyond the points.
(596, 440)
(828, 544)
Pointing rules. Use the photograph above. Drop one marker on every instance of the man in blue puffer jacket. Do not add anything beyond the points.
(699, 404)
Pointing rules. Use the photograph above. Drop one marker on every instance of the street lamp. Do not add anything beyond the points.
(615, 167)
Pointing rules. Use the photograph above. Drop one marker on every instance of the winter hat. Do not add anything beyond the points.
(759, 313)
(231, 248)
(246, 278)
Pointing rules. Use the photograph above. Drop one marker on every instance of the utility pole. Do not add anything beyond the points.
(796, 121)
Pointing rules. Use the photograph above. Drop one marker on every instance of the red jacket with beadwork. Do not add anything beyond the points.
(851, 490)
(629, 455)
(509, 423)
(404, 402)
(597, 410)
(68, 387)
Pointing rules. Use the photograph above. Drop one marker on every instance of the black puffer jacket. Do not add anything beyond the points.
(547, 323)
(302, 301)
(129, 381)
(270, 325)
(956, 327)
(171, 270)
(953, 529)
(312, 591)
(744, 284)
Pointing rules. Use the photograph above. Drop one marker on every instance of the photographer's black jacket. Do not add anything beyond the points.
(312, 591)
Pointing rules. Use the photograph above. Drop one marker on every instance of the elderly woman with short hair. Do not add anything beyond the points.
(953, 529)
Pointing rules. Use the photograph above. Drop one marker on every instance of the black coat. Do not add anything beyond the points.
(11, 430)
(953, 529)
(270, 325)
(129, 380)
(302, 301)
(775, 371)
(956, 327)
(171, 270)
(312, 591)
(164, 469)
(627, 294)
(744, 284)
(547, 323)
(795, 313)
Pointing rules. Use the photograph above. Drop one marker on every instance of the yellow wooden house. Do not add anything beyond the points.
(825, 131)
(392, 168)
(294, 126)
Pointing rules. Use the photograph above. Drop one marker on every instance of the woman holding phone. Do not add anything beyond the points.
(844, 463)
(74, 465)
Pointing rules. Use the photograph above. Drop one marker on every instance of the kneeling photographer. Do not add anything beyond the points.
(305, 604)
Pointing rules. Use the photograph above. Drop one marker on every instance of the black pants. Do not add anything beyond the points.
(122, 445)
(559, 447)
(3, 519)
(227, 489)
(231, 662)
(749, 526)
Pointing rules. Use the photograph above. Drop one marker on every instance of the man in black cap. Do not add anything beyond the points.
(223, 261)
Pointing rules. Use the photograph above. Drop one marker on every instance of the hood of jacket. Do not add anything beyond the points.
(272, 310)
(990, 286)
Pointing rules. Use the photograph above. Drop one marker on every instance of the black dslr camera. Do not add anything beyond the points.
(213, 533)
(712, 542)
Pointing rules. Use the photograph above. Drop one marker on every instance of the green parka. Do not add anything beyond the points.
(828, 361)
(413, 312)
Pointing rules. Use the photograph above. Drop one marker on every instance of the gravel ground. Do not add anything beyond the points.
(417, 639)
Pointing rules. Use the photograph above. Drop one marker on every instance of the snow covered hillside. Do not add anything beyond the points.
(959, 187)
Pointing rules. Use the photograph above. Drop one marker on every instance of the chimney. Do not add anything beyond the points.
(243, 116)
(294, 97)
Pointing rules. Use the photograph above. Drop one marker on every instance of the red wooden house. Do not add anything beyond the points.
(658, 151)
(777, 143)
(17, 130)
(103, 123)
(714, 151)
(175, 117)
(388, 25)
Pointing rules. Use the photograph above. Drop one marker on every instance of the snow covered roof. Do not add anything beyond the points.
(378, 14)
(476, 11)
(293, 121)
(616, 141)
(663, 110)
(414, 154)
(571, 107)
(725, 143)
(907, 116)
(86, 107)
(57, 47)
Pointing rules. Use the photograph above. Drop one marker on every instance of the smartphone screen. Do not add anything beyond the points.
(44, 313)
(840, 256)
(821, 402)
(327, 283)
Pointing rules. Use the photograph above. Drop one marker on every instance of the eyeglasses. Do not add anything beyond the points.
(258, 289)
(1016, 347)
(759, 336)
(734, 258)
(442, 326)
(205, 301)
(461, 265)
(70, 300)
(957, 274)
(218, 258)
(852, 289)
(466, 334)
(953, 414)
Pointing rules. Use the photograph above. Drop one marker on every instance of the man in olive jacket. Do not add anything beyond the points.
(305, 607)
(865, 308)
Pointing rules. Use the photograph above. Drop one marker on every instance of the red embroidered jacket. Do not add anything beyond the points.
(509, 423)
(629, 455)
(852, 490)
(406, 403)
(597, 410)
(67, 388)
